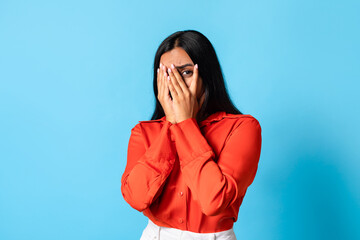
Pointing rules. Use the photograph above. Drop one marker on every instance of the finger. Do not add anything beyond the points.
(164, 81)
(165, 76)
(164, 73)
(161, 77)
(174, 82)
(159, 82)
(172, 89)
(167, 90)
(179, 79)
(195, 80)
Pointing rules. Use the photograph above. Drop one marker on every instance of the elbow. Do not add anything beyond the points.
(216, 206)
(210, 210)
(134, 202)
(137, 205)
(213, 208)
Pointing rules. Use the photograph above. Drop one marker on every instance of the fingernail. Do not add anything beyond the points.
(169, 69)
(160, 64)
(172, 66)
(158, 70)
(168, 77)
(196, 66)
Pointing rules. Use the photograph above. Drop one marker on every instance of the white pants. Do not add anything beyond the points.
(155, 232)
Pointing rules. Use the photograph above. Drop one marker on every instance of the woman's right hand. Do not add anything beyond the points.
(164, 94)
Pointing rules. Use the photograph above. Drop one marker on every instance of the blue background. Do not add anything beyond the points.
(76, 76)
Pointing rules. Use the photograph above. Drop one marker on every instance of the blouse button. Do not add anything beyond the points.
(181, 193)
(181, 220)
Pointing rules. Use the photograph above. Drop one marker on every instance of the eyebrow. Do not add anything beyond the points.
(185, 65)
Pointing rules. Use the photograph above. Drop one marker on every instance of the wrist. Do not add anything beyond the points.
(179, 120)
(169, 119)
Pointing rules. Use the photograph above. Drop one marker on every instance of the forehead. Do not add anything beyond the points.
(177, 56)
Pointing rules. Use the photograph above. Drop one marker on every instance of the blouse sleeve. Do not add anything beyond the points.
(146, 169)
(216, 185)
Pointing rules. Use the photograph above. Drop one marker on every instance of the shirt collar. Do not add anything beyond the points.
(217, 116)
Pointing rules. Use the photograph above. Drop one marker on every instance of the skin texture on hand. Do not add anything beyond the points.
(163, 94)
(182, 82)
(185, 104)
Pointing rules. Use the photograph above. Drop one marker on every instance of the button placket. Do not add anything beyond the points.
(186, 202)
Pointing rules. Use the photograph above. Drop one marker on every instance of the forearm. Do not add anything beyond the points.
(216, 185)
(142, 182)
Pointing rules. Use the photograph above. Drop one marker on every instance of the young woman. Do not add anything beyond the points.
(188, 168)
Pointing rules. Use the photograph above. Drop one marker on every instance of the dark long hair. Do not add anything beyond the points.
(201, 51)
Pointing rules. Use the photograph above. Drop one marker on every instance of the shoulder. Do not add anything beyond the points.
(159, 121)
(245, 128)
(136, 128)
(153, 121)
(142, 126)
(241, 119)
(244, 124)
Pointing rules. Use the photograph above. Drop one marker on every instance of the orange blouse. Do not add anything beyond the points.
(192, 176)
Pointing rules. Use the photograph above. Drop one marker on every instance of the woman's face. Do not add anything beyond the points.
(184, 65)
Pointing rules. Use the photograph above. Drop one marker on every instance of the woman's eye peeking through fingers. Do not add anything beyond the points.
(188, 73)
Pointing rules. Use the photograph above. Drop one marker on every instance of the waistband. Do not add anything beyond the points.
(183, 234)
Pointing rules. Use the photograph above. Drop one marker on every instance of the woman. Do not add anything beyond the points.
(188, 168)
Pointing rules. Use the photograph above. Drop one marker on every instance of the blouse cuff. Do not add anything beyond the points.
(189, 141)
(161, 156)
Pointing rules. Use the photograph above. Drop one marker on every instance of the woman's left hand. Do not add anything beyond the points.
(185, 103)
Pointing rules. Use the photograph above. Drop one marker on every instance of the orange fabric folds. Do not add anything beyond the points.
(189, 175)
